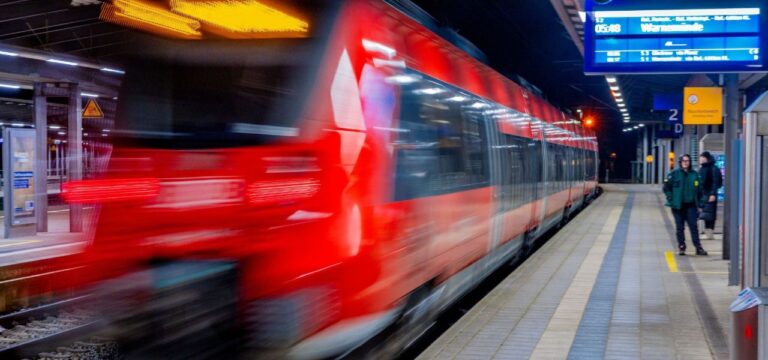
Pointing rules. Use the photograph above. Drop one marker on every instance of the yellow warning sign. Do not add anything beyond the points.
(703, 106)
(92, 110)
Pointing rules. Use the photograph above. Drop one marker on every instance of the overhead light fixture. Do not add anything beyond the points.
(621, 105)
(9, 86)
(610, 79)
(479, 105)
(89, 95)
(116, 71)
(636, 127)
(626, 121)
(61, 133)
(583, 16)
(457, 98)
(615, 88)
(54, 127)
(8, 53)
(620, 100)
(623, 110)
(17, 125)
(241, 18)
(641, 125)
(62, 62)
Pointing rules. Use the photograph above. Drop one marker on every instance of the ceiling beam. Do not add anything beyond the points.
(567, 14)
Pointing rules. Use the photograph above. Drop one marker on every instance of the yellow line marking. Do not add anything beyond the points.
(671, 262)
(20, 243)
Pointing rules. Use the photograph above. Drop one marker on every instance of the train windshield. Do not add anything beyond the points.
(212, 93)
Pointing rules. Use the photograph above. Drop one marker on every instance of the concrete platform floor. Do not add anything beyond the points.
(609, 285)
(57, 241)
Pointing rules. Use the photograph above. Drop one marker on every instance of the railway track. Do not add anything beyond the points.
(62, 330)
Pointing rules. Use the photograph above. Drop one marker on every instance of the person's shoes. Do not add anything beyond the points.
(681, 251)
(708, 234)
(701, 252)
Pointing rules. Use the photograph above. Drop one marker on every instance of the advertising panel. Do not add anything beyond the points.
(19, 160)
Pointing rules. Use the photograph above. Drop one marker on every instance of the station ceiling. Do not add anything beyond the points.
(61, 26)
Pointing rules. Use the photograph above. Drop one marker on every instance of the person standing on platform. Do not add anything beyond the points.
(682, 190)
(711, 181)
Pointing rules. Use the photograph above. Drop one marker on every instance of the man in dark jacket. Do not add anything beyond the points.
(682, 190)
(711, 181)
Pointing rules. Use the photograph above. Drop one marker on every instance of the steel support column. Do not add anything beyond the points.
(75, 153)
(730, 218)
(41, 157)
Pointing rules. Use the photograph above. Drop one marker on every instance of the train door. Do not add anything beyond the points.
(497, 160)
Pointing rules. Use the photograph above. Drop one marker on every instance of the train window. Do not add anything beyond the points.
(442, 143)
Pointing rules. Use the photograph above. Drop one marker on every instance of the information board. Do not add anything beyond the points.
(683, 36)
(19, 189)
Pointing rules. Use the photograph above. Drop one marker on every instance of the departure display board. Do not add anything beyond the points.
(625, 36)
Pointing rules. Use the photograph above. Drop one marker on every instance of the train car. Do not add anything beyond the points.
(360, 171)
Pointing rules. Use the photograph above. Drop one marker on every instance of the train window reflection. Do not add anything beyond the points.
(445, 147)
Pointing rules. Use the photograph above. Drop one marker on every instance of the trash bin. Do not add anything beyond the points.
(746, 316)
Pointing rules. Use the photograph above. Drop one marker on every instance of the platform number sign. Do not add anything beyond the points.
(677, 123)
(673, 103)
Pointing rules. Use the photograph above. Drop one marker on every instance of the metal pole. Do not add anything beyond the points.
(730, 221)
(645, 153)
(75, 153)
(41, 164)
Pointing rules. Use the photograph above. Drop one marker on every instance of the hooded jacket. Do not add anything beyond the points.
(711, 177)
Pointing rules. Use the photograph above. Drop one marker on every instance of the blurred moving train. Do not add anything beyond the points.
(359, 171)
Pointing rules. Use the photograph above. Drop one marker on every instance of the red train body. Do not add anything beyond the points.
(408, 172)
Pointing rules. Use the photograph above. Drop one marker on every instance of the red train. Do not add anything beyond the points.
(363, 174)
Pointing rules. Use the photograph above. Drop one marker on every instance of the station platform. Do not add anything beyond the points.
(58, 241)
(608, 285)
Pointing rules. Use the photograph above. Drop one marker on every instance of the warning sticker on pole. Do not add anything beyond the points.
(92, 110)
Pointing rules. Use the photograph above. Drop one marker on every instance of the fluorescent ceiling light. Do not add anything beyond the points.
(116, 71)
(641, 125)
(479, 105)
(610, 79)
(89, 95)
(615, 88)
(626, 121)
(62, 133)
(9, 86)
(583, 16)
(623, 110)
(56, 61)
(621, 105)
(54, 127)
(17, 124)
(8, 53)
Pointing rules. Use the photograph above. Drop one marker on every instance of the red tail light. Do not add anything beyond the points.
(270, 192)
(112, 190)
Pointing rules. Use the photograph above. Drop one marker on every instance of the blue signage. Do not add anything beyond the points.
(658, 36)
(674, 104)
(21, 183)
